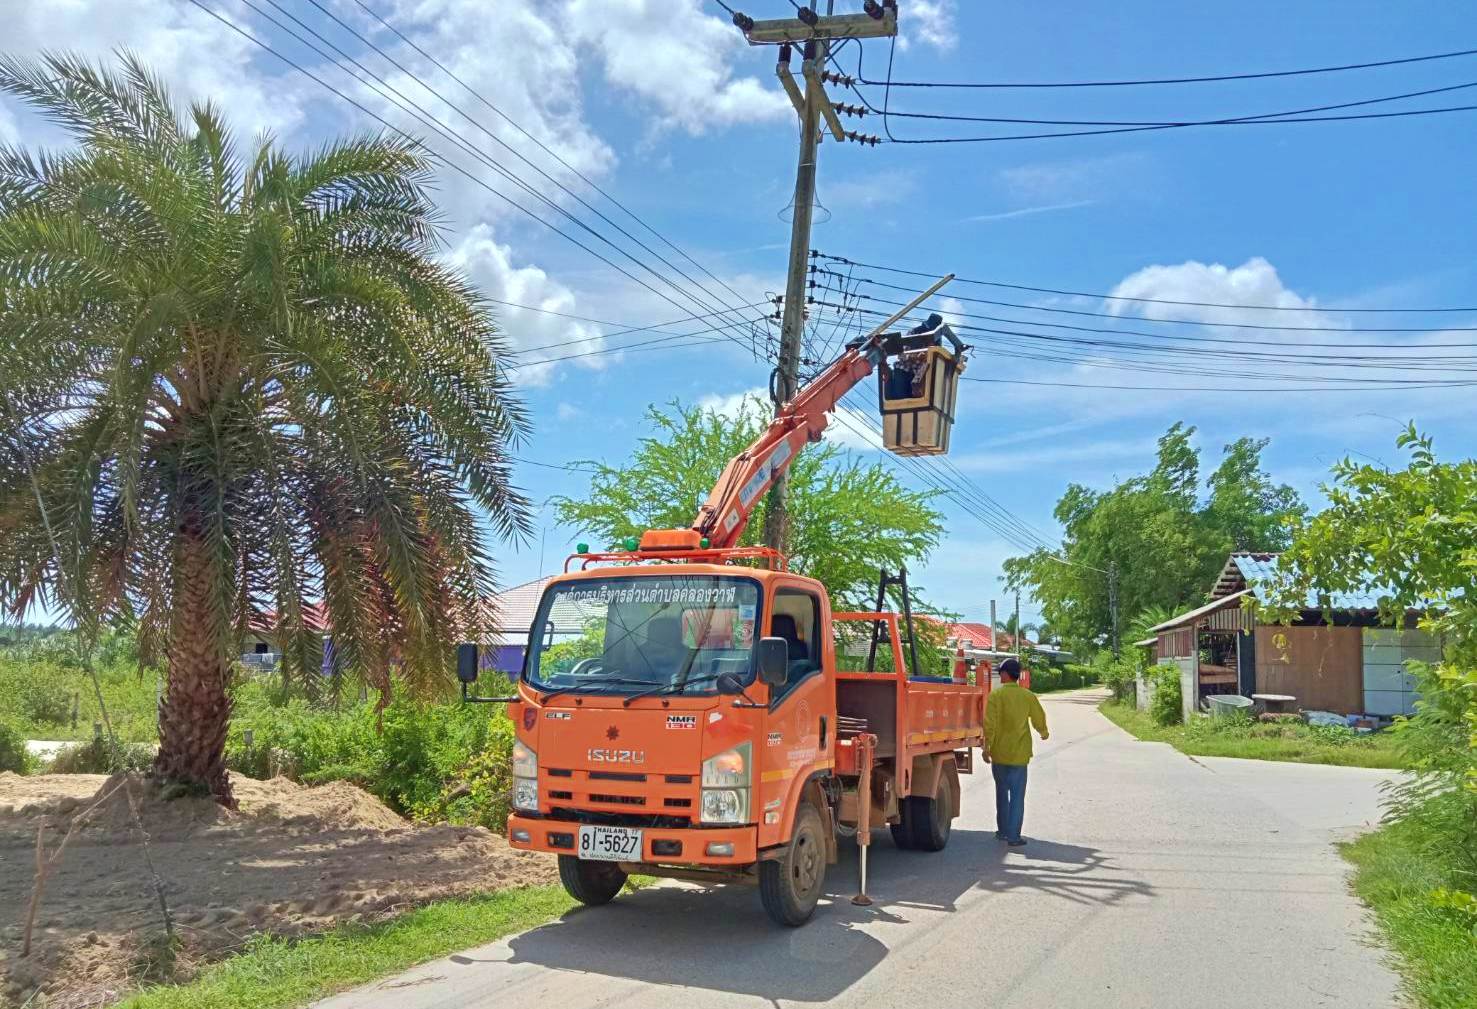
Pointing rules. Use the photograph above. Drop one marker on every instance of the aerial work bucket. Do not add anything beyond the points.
(917, 391)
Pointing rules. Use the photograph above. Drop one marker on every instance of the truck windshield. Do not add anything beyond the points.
(624, 634)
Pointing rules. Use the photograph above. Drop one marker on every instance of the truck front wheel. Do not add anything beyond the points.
(590, 883)
(790, 886)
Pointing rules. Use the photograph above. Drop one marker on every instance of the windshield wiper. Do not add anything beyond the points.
(585, 688)
(673, 688)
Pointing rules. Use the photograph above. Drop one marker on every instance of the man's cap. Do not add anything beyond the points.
(1010, 667)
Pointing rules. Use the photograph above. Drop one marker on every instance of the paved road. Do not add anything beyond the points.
(1151, 880)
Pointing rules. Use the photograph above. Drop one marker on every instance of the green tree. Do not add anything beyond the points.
(1410, 536)
(1246, 509)
(1163, 542)
(237, 382)
(847, 518)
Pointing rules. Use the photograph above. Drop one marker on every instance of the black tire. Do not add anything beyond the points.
(902, 831)
(590, 883)
(931, 820)
(791, 886)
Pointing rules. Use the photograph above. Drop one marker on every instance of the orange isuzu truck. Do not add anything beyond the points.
(700, 727)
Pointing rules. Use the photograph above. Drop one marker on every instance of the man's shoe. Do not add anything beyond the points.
(1018, 842)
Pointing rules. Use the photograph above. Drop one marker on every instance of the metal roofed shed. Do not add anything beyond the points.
(1336, 656)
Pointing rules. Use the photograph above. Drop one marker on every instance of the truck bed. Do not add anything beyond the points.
(910, 716)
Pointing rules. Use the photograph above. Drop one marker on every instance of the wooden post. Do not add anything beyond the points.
(866, 747)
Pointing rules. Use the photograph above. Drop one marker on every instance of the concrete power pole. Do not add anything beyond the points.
(815, 33)
(1017, 636)
(1113, 606)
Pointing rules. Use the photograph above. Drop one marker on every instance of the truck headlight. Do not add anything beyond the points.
(525, 778)
(726, 782)
(525, 794)
(725, 805)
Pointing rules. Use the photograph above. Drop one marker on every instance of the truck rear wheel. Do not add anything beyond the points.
(590, 883)
(790, 886)
(930, 821)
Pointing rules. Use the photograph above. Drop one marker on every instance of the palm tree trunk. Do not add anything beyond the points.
(197, 708)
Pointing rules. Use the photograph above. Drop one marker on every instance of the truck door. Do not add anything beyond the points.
(801, 724)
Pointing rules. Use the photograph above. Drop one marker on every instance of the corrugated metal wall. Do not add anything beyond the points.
(1321, 666)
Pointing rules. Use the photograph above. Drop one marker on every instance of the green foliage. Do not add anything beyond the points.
(1047, 677)
(1286, 740)
(427, 761)
(1166, 705)
(1410, 536)
(41, 675)
(1422, 895)
(848, 518)
(99, 756)
(240, 379)
(13, 753)
(1119, 675)
(1165, 543)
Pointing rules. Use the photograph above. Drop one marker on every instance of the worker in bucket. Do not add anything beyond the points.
(1009, 715)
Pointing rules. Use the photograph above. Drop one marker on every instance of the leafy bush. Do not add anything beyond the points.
(1167, 705)
(13, 753)
(101, 757)
(1118, 675)
(426, 760)
(1441, 812)
(43, 700)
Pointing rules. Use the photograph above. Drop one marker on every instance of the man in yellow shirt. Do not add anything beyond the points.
(1009, 715)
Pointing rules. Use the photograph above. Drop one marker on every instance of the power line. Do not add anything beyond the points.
(539, 143)
(390, 126)
(1177, 126)
(419, 113)
(1265, 117)
(654, 327)
(1175, 80)
(1192, 322)
(1119, 297)
(1341, 382)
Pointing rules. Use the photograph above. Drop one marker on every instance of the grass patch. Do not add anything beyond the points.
(1403, 878)
(276, 973)
(1292, 742)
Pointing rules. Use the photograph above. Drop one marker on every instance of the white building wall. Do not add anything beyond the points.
(1388, 688)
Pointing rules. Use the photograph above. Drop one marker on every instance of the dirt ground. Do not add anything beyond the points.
(292, 860)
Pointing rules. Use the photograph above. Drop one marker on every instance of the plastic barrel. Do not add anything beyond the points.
(1229, 705)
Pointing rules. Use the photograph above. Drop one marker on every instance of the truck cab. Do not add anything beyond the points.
(682, 728)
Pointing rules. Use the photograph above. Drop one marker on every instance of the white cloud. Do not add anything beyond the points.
(196, 55)
(539, 335)
(1254, 282)
(568, 412)
(884, 188)
(9, 134)
(733, 405)
(930, 22)
(677, 59)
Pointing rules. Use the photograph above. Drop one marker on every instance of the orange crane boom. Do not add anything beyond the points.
(722, 518)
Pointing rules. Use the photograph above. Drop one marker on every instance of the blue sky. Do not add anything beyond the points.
(664, 108)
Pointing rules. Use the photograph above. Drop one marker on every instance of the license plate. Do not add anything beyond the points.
(610, 844)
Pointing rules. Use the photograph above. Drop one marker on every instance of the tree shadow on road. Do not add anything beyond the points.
(720, 938)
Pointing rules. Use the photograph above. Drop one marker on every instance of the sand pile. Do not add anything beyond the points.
(292, 859)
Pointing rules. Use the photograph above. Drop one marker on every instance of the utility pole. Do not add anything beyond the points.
(994, 629)
(1017, 635)
(1113, 605)
(815, 33)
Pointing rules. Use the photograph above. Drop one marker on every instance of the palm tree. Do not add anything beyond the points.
(238, 385)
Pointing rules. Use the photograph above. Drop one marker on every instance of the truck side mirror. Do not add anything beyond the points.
(466, 663)
(774, 661)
